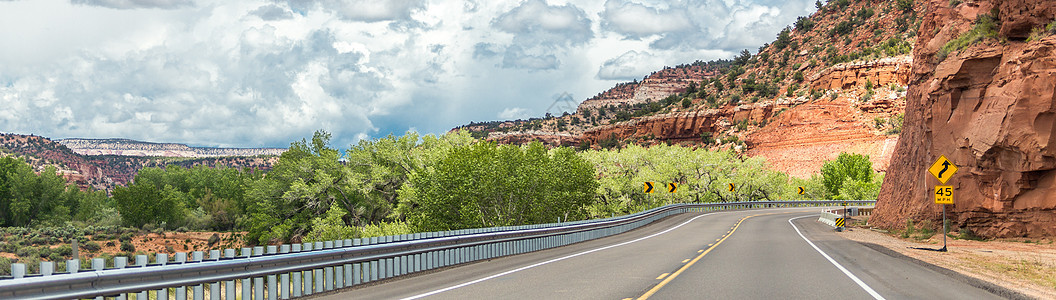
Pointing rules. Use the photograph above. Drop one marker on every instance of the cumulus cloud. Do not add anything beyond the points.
(702, 24)
(630, 65)
(552, 24)
(362, 10)
(133, 4)
(272, 12)
(539, 30)
(636, 20)
(266, 72)
(514, 113)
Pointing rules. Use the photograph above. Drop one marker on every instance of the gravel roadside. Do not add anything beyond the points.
(1024, 266)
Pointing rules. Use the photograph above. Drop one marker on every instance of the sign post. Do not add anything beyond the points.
(943, 169)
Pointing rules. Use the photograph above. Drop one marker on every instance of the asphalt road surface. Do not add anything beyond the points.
(750, 254)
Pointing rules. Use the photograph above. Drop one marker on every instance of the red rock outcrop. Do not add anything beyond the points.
(654, 87)
(800, 140)
(858, 74)
(991, 109)
(686, 126)
(547, 138)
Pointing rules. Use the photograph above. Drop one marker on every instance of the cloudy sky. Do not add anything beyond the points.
(264, 73)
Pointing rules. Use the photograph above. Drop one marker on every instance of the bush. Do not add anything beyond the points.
(985, 27)
(905, 5)
(854, 169)
(91, 247)
(127, 246)
(841, 29)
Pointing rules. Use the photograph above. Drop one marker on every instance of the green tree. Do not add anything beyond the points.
(304, 183)
(484, 185)
(845, 169)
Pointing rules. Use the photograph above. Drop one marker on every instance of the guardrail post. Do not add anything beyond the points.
(339, 270)
(273, 289)
(404, 259)
(297, 276)
(374, 263)
(357, 268)
(247, 283)
(98, 264)
(119, 263)
(318, 272)
(284, 278)
(198, 290)
(258, 283)
(47, 268)
(161, 259)
(348, 267)
(229, 286)
(181, 292)
(396, 260)
(308, 283)
(389, 262)
(329, 271)
(214, 288)
(18, 271)
(141, 261)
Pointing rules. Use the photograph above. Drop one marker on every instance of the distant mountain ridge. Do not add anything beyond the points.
(127, 147)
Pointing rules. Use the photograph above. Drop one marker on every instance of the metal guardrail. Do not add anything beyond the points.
(287, 271)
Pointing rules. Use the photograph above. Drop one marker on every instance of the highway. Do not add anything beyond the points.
(750, 254)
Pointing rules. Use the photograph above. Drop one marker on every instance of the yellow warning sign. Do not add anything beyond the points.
(648, 187)
(942, 169)
(672, 187)
(731, 187)
(943, 194)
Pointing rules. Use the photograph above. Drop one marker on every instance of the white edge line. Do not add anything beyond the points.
(838, 266)
(552, 260)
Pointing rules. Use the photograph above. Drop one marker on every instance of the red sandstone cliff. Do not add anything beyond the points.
(991, 109)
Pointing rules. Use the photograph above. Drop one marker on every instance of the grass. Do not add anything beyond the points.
(985, 28)
(1034, 271)
(924, 231)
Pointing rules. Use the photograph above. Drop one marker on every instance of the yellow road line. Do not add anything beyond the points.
(701, 250)
(685, 260)
(662, 276)
(686, 266)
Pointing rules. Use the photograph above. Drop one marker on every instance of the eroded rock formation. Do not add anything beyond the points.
(879, 72)
(991, 109)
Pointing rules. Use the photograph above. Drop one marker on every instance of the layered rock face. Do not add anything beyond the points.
(136, 148)
(800, 140)
(879, 72)
(654, 87)
(547, 138)
(990, 109)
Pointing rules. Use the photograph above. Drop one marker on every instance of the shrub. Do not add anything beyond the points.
(905, 5)
(985, 27)
(841, 29)
(91, 247)
(127, 246)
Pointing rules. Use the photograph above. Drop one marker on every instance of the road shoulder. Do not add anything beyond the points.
(973, 262)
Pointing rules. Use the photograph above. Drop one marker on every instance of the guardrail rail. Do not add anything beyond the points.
(290, 271)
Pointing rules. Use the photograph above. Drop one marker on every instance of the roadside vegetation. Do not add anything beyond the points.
(387, 186)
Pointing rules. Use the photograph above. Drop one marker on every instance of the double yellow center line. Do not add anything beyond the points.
(705, 252)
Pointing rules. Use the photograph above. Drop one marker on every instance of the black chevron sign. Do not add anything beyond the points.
(648, 187)
(672, 187)
(800, 190)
